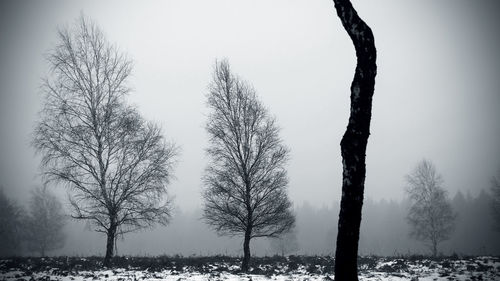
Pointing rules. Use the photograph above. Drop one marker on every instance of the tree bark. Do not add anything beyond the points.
(246, 251)
(110, 243)
(354, 141)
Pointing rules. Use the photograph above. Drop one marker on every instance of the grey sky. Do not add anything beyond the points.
(437, 90)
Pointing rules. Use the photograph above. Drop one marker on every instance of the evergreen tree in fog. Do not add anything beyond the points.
(495, 204)
(10, 226)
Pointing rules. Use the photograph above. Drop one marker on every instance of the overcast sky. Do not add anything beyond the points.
(436, 97)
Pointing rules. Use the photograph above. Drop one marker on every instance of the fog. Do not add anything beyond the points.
(436, 97)
(384, 231)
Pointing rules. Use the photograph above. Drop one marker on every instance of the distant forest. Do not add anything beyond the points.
(384, 231)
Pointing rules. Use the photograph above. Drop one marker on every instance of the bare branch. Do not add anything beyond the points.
(116, 164)
(430, 216)
(245, 181)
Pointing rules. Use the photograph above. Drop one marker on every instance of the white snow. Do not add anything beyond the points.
(480, 268)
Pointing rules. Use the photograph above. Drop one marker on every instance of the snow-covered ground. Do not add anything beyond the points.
(285, 269)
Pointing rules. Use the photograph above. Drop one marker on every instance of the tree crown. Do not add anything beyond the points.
(246, 179)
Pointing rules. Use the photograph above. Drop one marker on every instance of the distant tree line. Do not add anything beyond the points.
(384, 231)
(36, 230)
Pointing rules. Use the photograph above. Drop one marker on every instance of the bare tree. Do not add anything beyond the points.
(116, 164)
(245, 182)
(43, 226)
(285, 244)
(354, 141)
(495, 204)
(430, 216)
(10, 226)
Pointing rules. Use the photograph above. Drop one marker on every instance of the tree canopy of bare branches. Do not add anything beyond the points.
(116, 164)
(430, 216)
(43, 225)
(354, 141)
(245, 181)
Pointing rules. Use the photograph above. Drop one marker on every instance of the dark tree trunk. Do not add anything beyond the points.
(110, 243)
(246, 251)
(354, 141)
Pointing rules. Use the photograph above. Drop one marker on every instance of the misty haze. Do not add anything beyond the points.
(250, 140)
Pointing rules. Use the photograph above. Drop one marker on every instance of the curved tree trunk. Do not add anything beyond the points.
(354, 141)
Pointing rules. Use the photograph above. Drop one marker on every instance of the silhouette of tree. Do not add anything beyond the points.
(354, 141)
(10, 226)
(43, 226)
(430, 216)
(116, 164)
(245, 181)
(495, 206)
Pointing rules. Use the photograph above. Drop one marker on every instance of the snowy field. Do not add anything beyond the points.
(265, 268)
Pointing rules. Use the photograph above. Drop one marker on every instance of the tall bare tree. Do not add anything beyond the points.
(43, 225)
(430, 216)
(354, 141)
(116, 164)
(245, 182)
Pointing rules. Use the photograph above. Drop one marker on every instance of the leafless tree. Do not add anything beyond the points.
(11, 216)
(495, 204)
(43, 225)
(285, 244)
(116, 164)
(245, 182)
(430, 216)
(354, 141)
